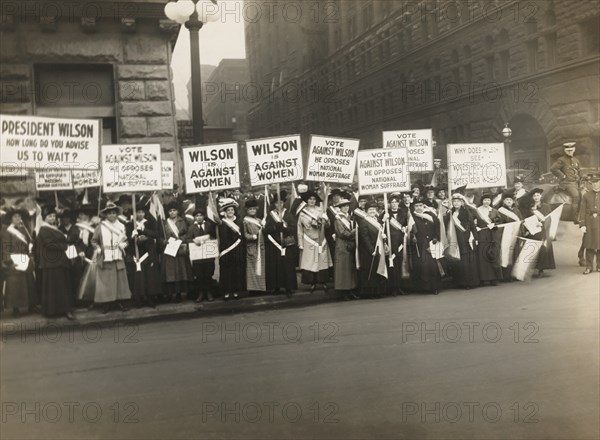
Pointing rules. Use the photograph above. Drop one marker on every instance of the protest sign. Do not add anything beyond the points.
(419, 144)
(167, 174)
(207, 251)
(86, 178)
(53, 179)
(275, 160)
(476, 165)
(36, 142)
(131, 168)
(211, 168)
(332, 159)
(383, 170)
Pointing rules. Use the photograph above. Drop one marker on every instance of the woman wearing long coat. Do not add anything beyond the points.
(509, 213)
(461, 224)
(177, 270)
(426, 269)
(489, 237)
(110, 240)
(255, 249)
(315, 259)
(398, 220)
(371, 252)
(281, 249)
(19, 285)
(232, 249)
(54, 265)
(541, 210)
(344, 263)
(143, 233)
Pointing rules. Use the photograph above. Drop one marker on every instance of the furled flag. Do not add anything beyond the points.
(405, 262)
(212, 211)
(156, 209)
(554, 221)
(528, 257)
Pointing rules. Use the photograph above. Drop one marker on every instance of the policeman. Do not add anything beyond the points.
(567, 169)
(589, 218)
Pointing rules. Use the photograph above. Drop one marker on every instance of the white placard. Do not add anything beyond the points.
(419, 144)
(476, 165)
(131, 168)
(275, 160)
(206, 251)
(86, 178)
(37, 142)
(53, 180)
(332, 159)
(383, 170)
(211, 168)
(167, 174)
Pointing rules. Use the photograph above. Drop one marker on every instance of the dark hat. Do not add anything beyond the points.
(486, 196)
(142, 202)
(430, 188)
(172, 205)
(251, 203)
(87, 209)
(342, 202)
(124, 199)
(441, 188)
(363, 197)
(371, 204)
(461, 190)
(200, 211)
(395, 196)
(536, 191)
(308, 194)
(67, 213)
(508, 195)
(47, 210)
(335, 192)
(519, 179)
(111, 206)
(12, 211)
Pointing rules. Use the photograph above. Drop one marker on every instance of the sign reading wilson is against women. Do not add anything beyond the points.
(211, 168)
(38, 142)
(275, 160)
(332, 159)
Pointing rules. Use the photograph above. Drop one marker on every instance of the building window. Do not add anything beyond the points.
(504, 64)
(352, 27)
(368, 16)
(468, 68)
(550, 41)
(590, 36)
(532, 50)
(490, 67)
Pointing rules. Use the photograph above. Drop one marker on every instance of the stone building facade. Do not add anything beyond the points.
(108, 60)
(464, 69)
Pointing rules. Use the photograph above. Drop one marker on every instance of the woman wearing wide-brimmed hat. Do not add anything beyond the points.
(19, 282)
(110, 240)
(232, 248)
(315, 259)
(534, 206)
(345, 250)
(489, 237)
(54, 266)
(177, 270)
(255, 249)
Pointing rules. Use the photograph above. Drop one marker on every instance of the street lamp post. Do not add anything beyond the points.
(193, 14)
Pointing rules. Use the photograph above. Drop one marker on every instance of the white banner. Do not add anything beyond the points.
(167, 174)
(419, 144)
(211, 168)
(131, 168)
(275, 160)
(383, 170)
(37, 142)
(476, 165)
(86, 178)
(331, 159)
(53, 180)
(206, 251)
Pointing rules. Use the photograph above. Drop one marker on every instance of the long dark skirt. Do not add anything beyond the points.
(546, 257)
(19, 289)
(488, 251)
(56, 290)
(320, 277)
(466, 271)
(203, 271)
(175, 269)
(146, 283)
(232, 279)
(281, 271)
(371, 285)
(425, 271)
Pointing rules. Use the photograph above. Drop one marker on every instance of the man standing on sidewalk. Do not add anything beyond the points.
(589, 217)
(567, 169)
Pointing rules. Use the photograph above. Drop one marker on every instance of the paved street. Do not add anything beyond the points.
(515, 361)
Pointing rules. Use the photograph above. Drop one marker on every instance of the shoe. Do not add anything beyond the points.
(587, 271)
(582, 262)
(288, 293)
(236, 296)
(15, 312)
(199, 299)
(106, 309)
(177, 298)
(467, 287)
(226, 297)
(325, 288)
(70, 316)
(394, 293)
(123, 308)
(598, 269)
(541, 274)
(436, 292)
(210, 297)
(313, 288)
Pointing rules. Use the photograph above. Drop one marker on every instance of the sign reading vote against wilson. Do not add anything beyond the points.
(383, 170)
(275, 160)
(332, 159)
(476, 165)
(419, 144)
(36, 142)
(131, 168)
(53, 179)
(211, 168)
